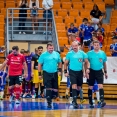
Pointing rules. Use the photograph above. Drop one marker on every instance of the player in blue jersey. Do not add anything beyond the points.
(81, 27)
(27, 81)
(113, 47)
(3, 76)
(87, 31)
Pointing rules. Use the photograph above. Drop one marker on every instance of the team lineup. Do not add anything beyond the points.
(43, 70)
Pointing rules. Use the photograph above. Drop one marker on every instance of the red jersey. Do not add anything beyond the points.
(100, 38)
(15, 64)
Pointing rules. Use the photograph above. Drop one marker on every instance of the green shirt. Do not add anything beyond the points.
(76, 60)
(96, 59)
(50, 61)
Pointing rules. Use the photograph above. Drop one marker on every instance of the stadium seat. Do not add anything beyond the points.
(2, 41)
(62, 12)
(106, 27)
(63, 54)
(10, 4)
(16, 13)
(60, 26)
(87, 1)
(63, 41)
(69, 19)
(75, 0)
(79, 20)
(101, 6)
(78, 5)
(61, 33)
(73, 13)
(57, 5)
(114, 13)
(109, 2)
(97, 1)
(113, 20)
(65, 1)
(1, 33)
(88, 5)
(56, 1)
(58, 19)
(85, 13)
(1, 4)
(113, 27)
(1, 18)
(2, 25)
(66, 5)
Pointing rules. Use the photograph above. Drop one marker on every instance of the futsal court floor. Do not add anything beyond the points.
(62, 108)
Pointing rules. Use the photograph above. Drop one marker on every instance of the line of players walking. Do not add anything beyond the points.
(91, 65)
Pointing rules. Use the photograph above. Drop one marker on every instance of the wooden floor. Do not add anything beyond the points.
(37, 108)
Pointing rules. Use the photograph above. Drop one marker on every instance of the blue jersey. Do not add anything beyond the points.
(74, 30)
(114, 47)
(88, 32)
(116, 29)
(3, 76)
(82, 26)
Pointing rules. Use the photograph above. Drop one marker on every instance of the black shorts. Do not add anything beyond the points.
(76, 77)
(13, 80)
(50, 80)
(95, 75)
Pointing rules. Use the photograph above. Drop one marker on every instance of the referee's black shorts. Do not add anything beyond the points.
(97, 75)
(50, 80)
(76, 77)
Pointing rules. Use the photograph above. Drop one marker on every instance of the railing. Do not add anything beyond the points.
(43, 31)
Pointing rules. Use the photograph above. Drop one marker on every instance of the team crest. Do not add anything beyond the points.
(80, 59)
(100, 59)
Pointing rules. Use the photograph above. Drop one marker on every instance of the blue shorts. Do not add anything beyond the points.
(49, 15)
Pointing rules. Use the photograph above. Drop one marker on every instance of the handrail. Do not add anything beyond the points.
(56, 31)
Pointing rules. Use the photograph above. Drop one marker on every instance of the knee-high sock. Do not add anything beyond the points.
(81, 94)
(29, 87)
(101, 94)
(74, 95)
(42, 89)
(23, 87)
(49, 95)
(17, 92)
(90, 96)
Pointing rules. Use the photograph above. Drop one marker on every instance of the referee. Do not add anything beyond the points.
(51, 62)
(97, 59)
(75, 59)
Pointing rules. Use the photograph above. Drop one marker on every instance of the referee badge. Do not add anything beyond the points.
(80, 59)
(100, 59)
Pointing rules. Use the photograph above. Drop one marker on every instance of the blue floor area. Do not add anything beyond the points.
(32, 106)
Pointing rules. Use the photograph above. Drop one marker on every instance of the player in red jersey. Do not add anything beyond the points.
(16, 61)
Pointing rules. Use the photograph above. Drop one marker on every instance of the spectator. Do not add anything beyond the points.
(47, 5)
(96, 16)
(34, 5)
(2, 49)
(113, 47)
(94, 38)
(113, 34)
(22, 15)
(87, 32)
(100, 36)
(116, 31)
(84, 23)
(101, 28)
(72, 31)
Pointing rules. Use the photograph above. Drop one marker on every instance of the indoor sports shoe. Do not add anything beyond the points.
(75, 105)
(91, 106)
(49, 105)
(101, 104)
(17, 101)
(57, 99)
(33, 96)
(82, 101)
(24, 96)
(67, 97)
